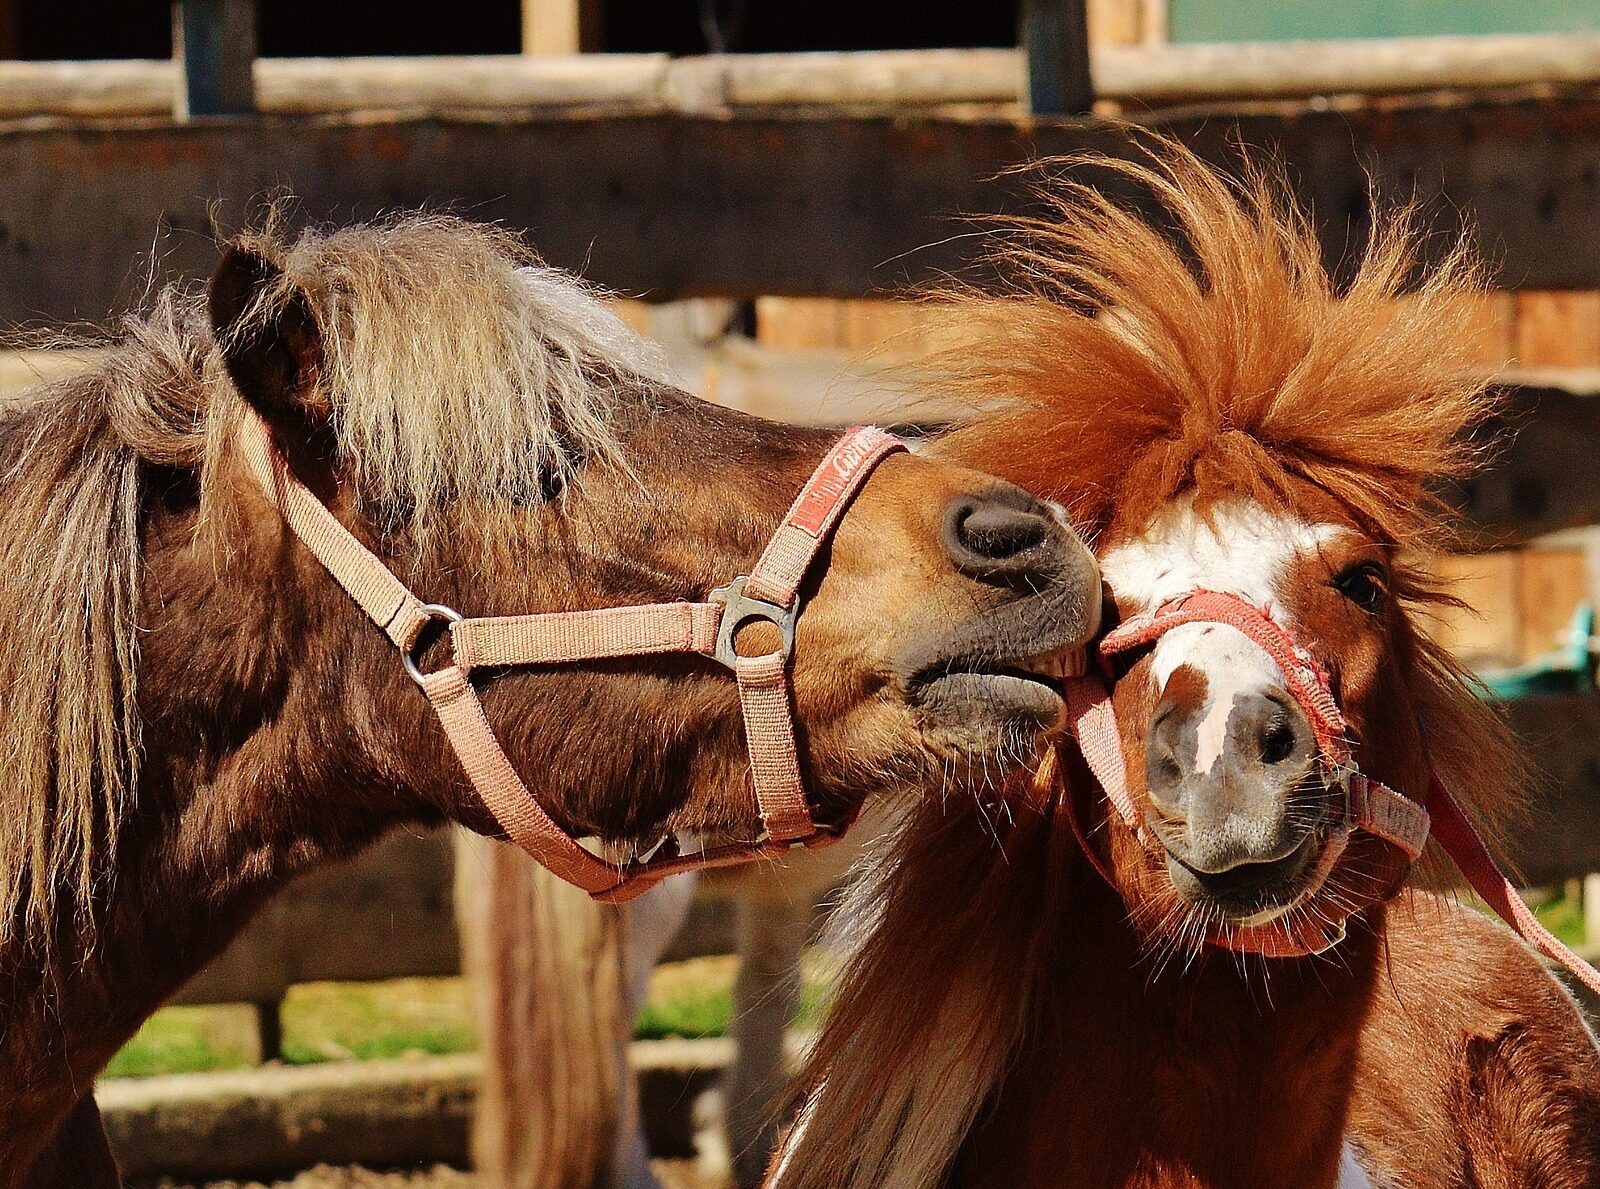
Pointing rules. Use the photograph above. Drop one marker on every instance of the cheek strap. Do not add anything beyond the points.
(770, 592)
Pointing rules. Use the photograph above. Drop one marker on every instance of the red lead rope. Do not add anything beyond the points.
(1372, 805)
(1466, 848)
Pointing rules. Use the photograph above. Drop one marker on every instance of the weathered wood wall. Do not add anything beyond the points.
(784, 201)
(823, 175)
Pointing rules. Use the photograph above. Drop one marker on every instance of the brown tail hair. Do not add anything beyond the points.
(546, 966)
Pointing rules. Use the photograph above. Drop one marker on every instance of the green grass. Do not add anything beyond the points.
(695, 998)
(1563, 916)
(691, 999)
(366, 1021)
(189, 1040)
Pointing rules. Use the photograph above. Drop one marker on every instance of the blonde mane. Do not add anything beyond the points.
(460, 372)
(1126, 361)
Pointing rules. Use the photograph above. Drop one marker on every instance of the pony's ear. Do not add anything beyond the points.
(269, 339)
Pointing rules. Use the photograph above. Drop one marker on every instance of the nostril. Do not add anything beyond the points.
(1277, 741)
(1166, 768)
(1163, 773)
(987, 531)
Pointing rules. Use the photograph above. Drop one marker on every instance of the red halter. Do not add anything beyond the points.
(769, 592)
(1369, 805)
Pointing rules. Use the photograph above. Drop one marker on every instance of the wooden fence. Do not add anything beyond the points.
(791, 177)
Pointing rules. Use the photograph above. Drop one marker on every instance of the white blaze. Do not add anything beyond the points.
(1245, 550)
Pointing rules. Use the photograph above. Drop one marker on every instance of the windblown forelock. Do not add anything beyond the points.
(1127, 361)
(462, 373)
(1136, 361)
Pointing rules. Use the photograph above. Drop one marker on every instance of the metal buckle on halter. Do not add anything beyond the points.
(739, 609)
(436, 613)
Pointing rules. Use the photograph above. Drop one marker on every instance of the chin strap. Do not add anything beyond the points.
(1370, 805)
(769, 593)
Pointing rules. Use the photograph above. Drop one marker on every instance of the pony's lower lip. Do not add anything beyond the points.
(1014, 692)
(1256, 893)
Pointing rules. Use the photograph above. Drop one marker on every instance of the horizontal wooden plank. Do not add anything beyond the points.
(411, 1111)
(1372, 66)
(1149, 75)
(665, 205)
(1562, 837)
(386, 914)
(1544, 477)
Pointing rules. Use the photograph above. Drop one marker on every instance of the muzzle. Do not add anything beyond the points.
(1368, 805)
(769, 592)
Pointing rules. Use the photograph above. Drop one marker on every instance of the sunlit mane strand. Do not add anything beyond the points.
(461, 374)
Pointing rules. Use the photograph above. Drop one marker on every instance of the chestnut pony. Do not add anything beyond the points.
(194, 711)
(1046, 995)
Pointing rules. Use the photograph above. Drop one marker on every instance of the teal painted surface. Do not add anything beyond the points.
(1292, 20)
(1570, 669)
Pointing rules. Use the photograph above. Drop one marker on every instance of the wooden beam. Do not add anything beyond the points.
(1154, 24)
(214, 46)
(1055, 39)
(1150, 76)
(666, 205)
(1544, 477)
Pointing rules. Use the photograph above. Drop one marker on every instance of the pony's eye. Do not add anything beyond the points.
(1363, 585)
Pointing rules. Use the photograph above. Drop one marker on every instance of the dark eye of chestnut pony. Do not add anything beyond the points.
(1363, 585)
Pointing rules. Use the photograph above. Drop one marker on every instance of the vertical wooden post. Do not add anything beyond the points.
(10, 31)
(214, 46)
(269, 1029)
(560, 26)
(1155, 22)
(1591, 912)
(1055, 40)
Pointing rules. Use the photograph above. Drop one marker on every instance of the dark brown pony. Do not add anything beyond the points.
(194, 712)
(1221, 416)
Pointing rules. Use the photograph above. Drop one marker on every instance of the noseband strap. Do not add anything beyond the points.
(770, 592)
(1370, 805)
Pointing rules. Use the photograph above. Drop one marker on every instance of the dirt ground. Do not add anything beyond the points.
(674, 1174)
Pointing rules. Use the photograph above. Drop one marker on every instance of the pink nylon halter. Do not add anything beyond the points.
(770, 592)
(1370, 805)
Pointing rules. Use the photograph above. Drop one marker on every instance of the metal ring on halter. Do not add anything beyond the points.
(739, 609)
(436, 613)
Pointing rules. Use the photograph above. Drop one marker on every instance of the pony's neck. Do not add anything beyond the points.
(1226, 1071)
(280, 731)
(254, 768)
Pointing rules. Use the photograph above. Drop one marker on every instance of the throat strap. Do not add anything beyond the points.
(769, 593)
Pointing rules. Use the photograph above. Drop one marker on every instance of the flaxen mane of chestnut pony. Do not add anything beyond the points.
(1222, 416)
(194, 711)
